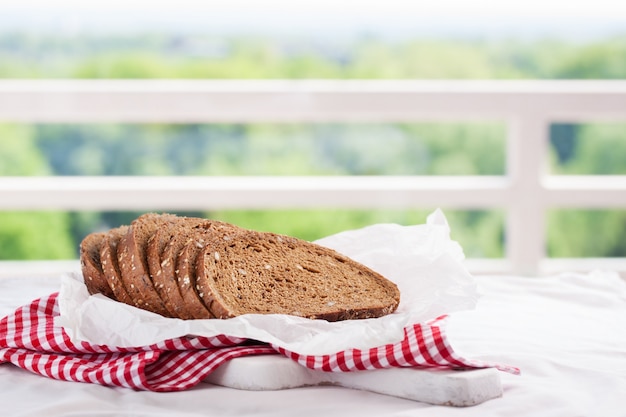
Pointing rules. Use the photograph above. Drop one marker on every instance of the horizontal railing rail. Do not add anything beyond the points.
(526, 192)
(182, 101)
(257, 192)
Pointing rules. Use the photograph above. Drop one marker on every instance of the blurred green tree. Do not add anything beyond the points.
(325, 149)
(28, 235)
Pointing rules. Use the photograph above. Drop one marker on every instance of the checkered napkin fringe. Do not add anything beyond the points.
(30, 340)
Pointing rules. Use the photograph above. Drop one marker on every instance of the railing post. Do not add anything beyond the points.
(527, 157)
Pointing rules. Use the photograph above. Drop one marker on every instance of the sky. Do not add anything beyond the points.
(573, 18)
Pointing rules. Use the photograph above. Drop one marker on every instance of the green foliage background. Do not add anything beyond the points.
(305, 149)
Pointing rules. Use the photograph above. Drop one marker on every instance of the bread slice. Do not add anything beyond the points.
(110, 267)
(163, 252)
(165, 281)
(131, 255)
(176, 280)
(186, 280)
(91, 265)
(169, 259)
(266, 273)
(198, 238)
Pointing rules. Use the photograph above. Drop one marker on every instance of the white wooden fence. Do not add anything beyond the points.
(524, 193)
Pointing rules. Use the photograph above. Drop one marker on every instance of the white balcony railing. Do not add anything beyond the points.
(526, 192)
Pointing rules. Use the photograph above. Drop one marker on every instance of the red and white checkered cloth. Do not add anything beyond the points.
(30, 340)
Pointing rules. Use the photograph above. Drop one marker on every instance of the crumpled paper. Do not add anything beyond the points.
(422, 260)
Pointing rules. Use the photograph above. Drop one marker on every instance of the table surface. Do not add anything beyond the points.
(564, 332)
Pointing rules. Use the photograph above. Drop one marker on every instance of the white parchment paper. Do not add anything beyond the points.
(422, 260)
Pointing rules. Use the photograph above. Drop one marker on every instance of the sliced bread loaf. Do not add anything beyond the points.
(265, 273)
(192, 268)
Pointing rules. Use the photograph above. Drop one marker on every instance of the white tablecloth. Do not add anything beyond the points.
(566, 333)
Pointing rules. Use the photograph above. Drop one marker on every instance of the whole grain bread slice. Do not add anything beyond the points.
(131, 254)
(91, 266)
(172, 296)
(161, 256)
(164, 282)
(193, 305)
(110, 267)
(198, 238)
(266, 273)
